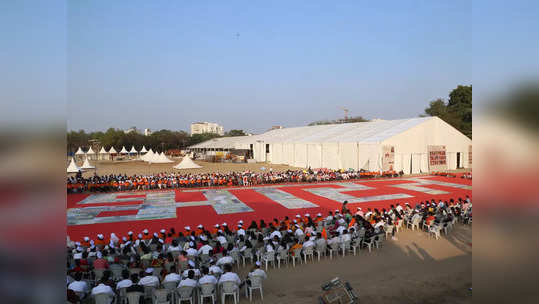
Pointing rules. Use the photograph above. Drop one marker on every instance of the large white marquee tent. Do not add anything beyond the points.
(405, 144)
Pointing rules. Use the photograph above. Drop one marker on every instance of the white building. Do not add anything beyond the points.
(147, 132)
(415, 145)
(206, 127)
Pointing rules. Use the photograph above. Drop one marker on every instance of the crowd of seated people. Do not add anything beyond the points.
(106, 183)
(178, 264)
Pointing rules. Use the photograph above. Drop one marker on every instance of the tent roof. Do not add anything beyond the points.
(124, 151)
(365, 132)
(103, 151)
(73, 168)
(86, 164)
(90, 151)
(112, 150)
(187, 163)
(133, 150)
(79, 152)
(143, 150)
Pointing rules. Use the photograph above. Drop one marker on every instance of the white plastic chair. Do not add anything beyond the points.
(308, 251)
(170, 287)
(369, 242)
(133, 297)
(321, 250)
(247, 254)
(148, 292)
(269, 257)
(282, 255)
(102, 298)
(345, 246)
(229, 288)
(389, 230)
(186, 293)
(256, 283)
(331, 250)
(296, 255)
(160, 297)
(434, 231)
(207, 290)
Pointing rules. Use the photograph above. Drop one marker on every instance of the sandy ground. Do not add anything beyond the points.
(140, 167)
(412, 269)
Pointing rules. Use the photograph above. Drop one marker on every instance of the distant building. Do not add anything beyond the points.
(276, 127)
(130, 130)
(147, 132)
(206, 127)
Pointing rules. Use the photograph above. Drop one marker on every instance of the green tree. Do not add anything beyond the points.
(235, 133)
(457, 111)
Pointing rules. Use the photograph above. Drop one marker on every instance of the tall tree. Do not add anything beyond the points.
(457, 111)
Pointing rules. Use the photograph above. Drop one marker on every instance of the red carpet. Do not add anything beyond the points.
(263, 207)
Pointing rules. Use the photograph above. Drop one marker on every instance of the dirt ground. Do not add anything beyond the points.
(140, 167)
(412, 269)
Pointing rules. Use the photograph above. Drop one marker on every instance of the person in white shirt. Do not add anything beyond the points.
(222, 240)
(345, 237)
(257, 271)
(206, 277)
(240, 231)
(226, 259)
(149, 279)
(309, 242)
(298, 233)
(173, 276)
(214, 269)
(340, 229)
(320, 241)
(274, 234)
(334, 241)
(103, 289)
(329, 218)
(189, 281)
(229, 276)
(191, 251)
(191, 264)
(359, 212)
(205, 249)
(79, 286)
(125, 282)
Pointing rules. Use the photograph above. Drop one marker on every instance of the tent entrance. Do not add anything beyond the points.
(459, 162)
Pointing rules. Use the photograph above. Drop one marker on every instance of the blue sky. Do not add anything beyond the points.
(250, 65)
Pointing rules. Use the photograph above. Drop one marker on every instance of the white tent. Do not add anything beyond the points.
(143, 150)
(187, 163)
(411, 145)
(148, 156)
(87, 165)
(73, 168)
(163, 159)
(133, 150)
(112, 151)
(123, 151)
(79, 152)
(103, 153)
(90, 151)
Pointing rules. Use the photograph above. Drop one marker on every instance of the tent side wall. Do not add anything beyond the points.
(411, 145)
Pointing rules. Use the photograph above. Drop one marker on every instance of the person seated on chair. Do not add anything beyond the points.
(345, 237)
(309, 243)
(255, 271)
(149, 279)
(173, 276)
(206, 277)
(226, 259)
(191, 266)
(102, 288)
(189, 281)
(320, 241)
(79, 286)
(334, 241)
(297, 245)
(229, 276)
(214, 269)
(136, 287)
(125, 282)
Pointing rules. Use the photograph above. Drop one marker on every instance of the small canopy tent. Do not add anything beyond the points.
(79, 153)
(148, 156)
(187, 163)
(162, 158)
(103, 154)
(112, 151)
(73, 168)
(123, 151)
(87, 165)
(143, 150)
(90, 153)
(133, 150)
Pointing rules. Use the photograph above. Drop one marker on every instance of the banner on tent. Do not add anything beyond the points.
(388, 158)
(469, 156)
(437, 158)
